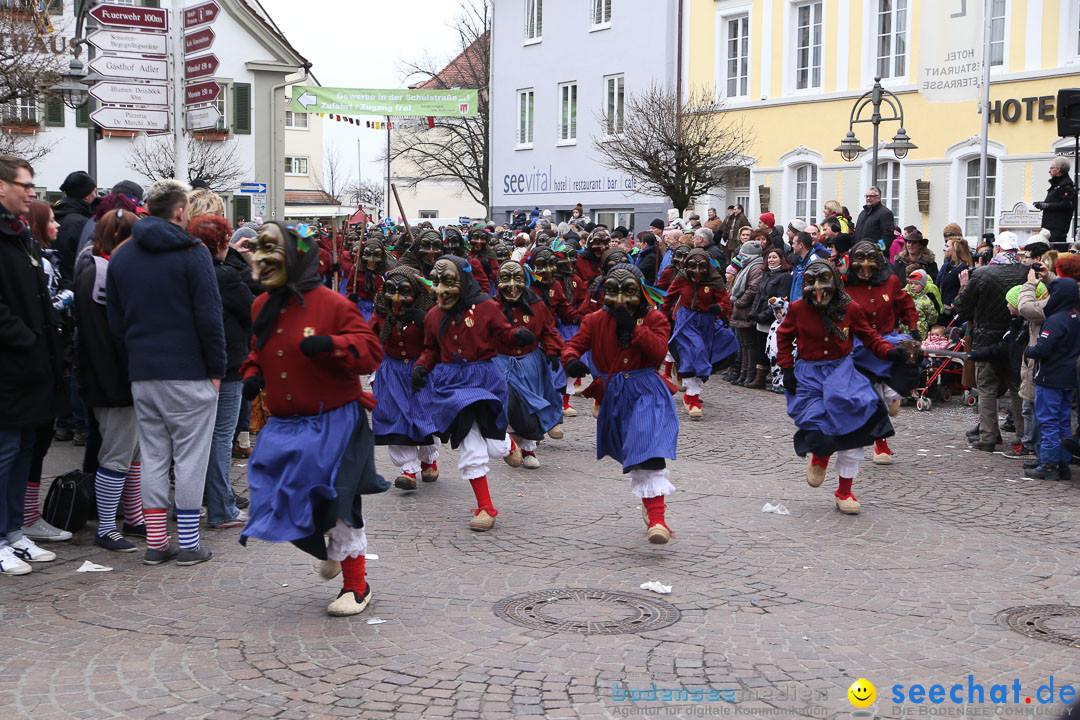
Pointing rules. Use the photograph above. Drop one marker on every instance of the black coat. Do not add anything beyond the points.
(926, 260)
(1058, 207)
(774, 283)
(236, 301)
(100, 364)
(31, 369)
(876, 222)
(948, 281)
(72, 214)
(983, 301)
(647, 263)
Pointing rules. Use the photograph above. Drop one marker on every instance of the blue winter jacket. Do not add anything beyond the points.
(163, 304)
(1059, 342)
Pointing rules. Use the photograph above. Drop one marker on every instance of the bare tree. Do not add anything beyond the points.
(215, 162)
(28, 147)
(334, 178)
(675, 149)
(455, 149)
(366, 192)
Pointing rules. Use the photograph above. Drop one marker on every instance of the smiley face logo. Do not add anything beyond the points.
(862, 693)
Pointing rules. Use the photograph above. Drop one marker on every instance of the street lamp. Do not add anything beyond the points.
(71, 88)
(850, 149)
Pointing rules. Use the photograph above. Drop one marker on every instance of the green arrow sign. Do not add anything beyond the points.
(401, 103)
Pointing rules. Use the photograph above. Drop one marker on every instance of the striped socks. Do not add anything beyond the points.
(187, 527)
(108, 485)
(157, 534)
(31, 508)
(132, 496)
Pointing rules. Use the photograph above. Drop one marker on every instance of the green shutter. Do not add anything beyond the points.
(242, 108)
(151, 3)
(241, 208)
(54, 112)
(82, 116)
(56, 7)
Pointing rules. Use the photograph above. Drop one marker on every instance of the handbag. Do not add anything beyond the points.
(70, 501)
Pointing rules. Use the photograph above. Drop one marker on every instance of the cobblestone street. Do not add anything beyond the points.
(783, 611)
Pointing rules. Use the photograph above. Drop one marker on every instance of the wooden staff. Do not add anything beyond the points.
(404, 215)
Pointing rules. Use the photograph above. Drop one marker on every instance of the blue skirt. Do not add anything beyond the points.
(308, 471)
(400, 417)
(367, 308)
(535, 407)
(901, 377)
(464, 393)
(637, 420)
(835, 408)
(701, 343)
(566, 331)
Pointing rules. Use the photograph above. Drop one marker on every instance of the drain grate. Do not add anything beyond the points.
(1057, 624)
(587, 611)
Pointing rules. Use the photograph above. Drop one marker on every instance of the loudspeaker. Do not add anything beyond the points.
(1068, 112)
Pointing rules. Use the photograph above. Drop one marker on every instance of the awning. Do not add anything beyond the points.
(317, 211)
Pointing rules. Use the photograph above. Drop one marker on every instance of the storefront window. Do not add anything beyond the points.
(892, 38)
(615, 218)
(971, 198)
(806, 192)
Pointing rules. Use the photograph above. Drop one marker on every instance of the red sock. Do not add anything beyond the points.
(667, 368)
(844, 491)
(409, 474)
(566, 401)
(693, 401)
(880, 446)
(483, 497)
(31, 509)
(352, 575)
(655, 507)
(430, 465)
(157, 534)
(821, 462)
(131, 498)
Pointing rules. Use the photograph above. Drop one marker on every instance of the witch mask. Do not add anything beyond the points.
(268, 257)
(622, 289)
(819, 285)
(447, 280)
(511, 281)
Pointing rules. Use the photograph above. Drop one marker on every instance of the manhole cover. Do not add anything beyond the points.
(590, 612)
(1058, 624)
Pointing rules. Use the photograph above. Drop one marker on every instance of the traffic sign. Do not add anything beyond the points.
(121, 118)
(257, 188)
(139, 43)
(198, 41)
(131, 93)
(130, 68)
(202, 14)
(203, 118)
(132, 17)
(203, 92)
(202, 66)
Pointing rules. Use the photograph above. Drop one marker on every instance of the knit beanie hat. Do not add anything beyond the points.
(1013, 296)
(917, 276)
(78, 184)
(952, 229)
(797, 226)
(769, 219)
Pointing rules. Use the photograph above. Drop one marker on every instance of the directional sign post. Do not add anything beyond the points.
(131, 93)
(196, 42)
(203, 118)
(202, 66)
(200, 93)
(130, 68)
(138, 43)
(131, 17)
(201, 14)
(251, 187)
(121, 118)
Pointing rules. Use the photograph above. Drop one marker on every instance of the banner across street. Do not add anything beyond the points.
(412, 103)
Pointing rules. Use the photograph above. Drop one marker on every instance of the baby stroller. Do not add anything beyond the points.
(942, 377)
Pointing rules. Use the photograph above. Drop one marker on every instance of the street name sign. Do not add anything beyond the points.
(130, 68)
(138, 43)
(201, 14)
(252, 187)
(202, 118)
(407, 103)
(198, 41)
(127, 16)
(202, 66)
(131, 93)
(121, 118)
(200, 93)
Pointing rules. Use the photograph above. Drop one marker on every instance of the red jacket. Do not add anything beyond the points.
(358, 284)
(885, 304)
(666, 277)
(557, 302)
(407, 346)
(587, 268)
(542, 324)
(481, 334)
(299, 385)
(681, 293)
(480, 274)
(648, 343)
(816, 343)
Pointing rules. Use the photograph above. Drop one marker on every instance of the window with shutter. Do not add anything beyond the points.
(151, 3)
(54, 113)
(241, 207)
(82, 116)
(242, 108)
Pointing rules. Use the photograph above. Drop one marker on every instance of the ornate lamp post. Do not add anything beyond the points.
(850, 148)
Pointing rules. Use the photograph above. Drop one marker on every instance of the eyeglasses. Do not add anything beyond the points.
(27, 186)
(871, 197)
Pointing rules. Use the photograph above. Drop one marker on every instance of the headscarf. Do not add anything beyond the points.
(531, 259)
(424, 301)
(837, 308)
(470, 295)
(302, 267)
(714, 280)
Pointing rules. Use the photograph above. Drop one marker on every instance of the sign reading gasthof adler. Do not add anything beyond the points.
(403, 103)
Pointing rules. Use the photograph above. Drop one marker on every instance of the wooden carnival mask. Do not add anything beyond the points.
(511, 281)
(447, 280)
(268, 257)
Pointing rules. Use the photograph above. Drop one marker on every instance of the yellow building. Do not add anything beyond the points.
(795, 68)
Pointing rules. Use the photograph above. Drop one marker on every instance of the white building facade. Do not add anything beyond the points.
(255, 59)
(559, 68)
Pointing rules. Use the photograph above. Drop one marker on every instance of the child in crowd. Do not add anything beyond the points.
(937, 339)
(924, 304)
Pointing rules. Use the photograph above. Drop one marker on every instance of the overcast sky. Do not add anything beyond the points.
(361, 44)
